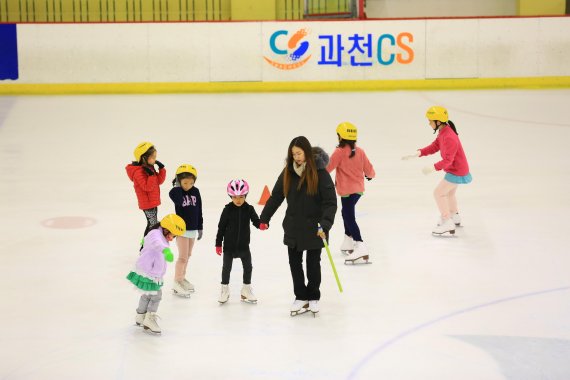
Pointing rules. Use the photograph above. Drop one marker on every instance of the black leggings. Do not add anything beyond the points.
(151, 218)
(227, 268)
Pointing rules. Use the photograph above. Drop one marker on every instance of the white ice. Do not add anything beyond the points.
(491, 303)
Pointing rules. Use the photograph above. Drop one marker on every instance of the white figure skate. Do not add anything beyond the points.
(444, 228)
(140, 319)
(299, 307)
(314, 307)
(247, 294)
(347, 245)
(179, 290)
(224, 294)
(188, 286)
(360, 254)
(150, 325)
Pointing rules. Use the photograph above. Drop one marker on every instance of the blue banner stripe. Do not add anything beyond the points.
(8, 52)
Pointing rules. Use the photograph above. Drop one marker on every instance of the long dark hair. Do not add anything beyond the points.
(351, 143)
(450, 123)
(309, 174)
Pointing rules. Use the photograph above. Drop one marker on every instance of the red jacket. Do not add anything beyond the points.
(147, 187)
(448, 144)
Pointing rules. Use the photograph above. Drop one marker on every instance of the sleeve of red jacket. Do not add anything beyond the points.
(146, 182)
(334, 160)
(448, 152)
(161, 176)
(368, 168)
(430, 149)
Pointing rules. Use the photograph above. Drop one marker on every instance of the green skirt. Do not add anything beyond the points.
(143, 283)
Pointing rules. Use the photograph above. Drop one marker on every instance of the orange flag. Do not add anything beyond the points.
(264, 196)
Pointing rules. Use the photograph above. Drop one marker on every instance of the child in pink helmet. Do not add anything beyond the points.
(234, 231)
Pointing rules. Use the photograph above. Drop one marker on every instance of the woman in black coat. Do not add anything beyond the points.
(311, 200)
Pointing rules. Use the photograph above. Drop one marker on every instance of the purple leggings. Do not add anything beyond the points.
(349, 216)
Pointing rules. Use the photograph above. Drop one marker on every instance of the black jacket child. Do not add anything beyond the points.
(233, 228)
(304, 212)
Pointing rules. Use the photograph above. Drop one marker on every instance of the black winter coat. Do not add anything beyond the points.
(304, 211)
(233, 228)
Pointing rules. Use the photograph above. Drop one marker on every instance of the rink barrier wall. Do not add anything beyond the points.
(286, 56)
(234, 87)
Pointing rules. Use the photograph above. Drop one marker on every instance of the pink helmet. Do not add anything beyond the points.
(237, 187)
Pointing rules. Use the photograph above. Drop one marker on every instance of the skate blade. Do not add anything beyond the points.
(150, 332)
(358, 261)
(180, 294)
(222, 302)
(302, 310)
(444, 234)
(245, 300)
(314, 313)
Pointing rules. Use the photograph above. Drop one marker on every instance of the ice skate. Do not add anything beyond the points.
(140, 319)
(150, 325)
(247, 294)
(314, 307)
(360, 254)
(456, 219)
(444, 228)
(224, 294)
(299, 307)
(179, 290)
(188, 286)
(347, 245)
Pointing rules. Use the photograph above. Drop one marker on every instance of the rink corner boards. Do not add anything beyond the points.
(306, 86)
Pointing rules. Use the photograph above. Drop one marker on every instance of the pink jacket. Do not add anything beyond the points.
(350, 172)
(452, 154)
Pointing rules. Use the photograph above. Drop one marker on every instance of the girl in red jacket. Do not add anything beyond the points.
(147, 181)
(352, 166)
(453, 163)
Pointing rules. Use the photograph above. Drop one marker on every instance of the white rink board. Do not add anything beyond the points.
(452, 49)
(182, 53)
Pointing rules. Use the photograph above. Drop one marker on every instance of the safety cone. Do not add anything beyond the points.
(264, 196)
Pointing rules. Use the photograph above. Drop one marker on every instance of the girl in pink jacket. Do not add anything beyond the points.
(352, 166)
(453, 163)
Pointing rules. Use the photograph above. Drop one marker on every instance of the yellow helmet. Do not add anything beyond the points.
(347, 131)
(437, 113)
(141, 149)
(187, 168)
(174, 224)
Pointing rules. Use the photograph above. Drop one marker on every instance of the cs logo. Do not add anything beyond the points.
(293, 55)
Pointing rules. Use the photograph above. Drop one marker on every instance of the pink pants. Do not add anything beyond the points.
(444, 195)
(185, 246)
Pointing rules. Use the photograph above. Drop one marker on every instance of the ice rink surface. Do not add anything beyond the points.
(492, 303)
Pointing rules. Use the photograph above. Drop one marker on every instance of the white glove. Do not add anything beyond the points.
(428, 169)
(410, 156)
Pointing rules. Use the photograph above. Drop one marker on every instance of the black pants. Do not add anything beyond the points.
(227, 268)
(311, 290)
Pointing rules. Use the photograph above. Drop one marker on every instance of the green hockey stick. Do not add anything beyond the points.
(332, 263)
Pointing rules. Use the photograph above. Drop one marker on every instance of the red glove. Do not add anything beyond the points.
(219, 251)
(263, 226)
